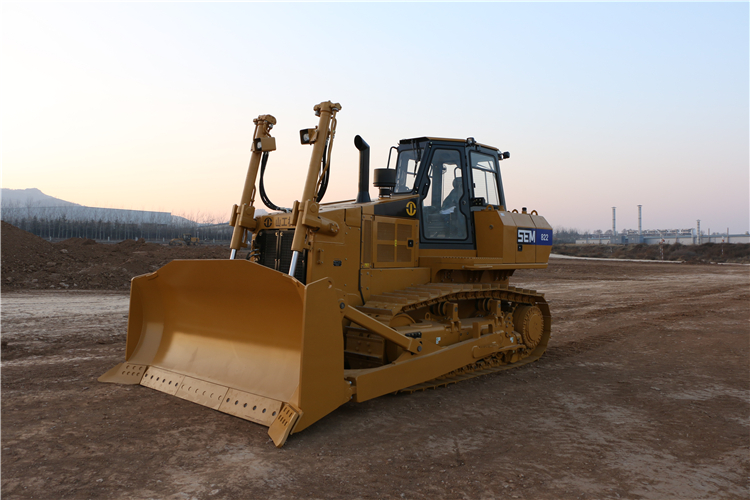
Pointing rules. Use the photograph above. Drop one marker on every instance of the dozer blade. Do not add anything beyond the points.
(239, 338)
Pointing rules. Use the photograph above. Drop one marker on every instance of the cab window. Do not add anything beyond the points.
(484, 177)
(406, 171)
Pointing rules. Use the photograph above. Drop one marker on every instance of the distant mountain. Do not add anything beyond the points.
(22, 204)
(32, 197)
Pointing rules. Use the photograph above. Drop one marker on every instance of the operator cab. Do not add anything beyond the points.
(452, 178)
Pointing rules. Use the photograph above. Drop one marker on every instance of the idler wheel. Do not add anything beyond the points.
(529, 322)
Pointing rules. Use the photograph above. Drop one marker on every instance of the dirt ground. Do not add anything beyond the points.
(643, 393)
(705, 253)
(29, 262)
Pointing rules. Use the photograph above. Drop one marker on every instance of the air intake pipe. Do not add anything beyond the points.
(363, 196)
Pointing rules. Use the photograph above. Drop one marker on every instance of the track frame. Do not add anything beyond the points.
(441, 365)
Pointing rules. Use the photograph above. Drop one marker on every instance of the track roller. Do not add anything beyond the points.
(529, 322)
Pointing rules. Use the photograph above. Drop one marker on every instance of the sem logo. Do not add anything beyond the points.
(535, 236)
(411, 208)
(527, 236)
(267, 222)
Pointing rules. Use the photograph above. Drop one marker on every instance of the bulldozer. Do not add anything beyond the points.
(350, 300)
(187, 239)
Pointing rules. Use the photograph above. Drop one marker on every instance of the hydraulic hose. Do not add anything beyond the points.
(326, 174)
(263, 196)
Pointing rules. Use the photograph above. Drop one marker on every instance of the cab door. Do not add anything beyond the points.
(445, 217)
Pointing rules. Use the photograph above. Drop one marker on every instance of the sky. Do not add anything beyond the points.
(150, 105)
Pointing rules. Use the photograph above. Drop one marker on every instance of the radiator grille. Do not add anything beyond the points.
(404, 232)
(393, 243)
(367, 241)
(386, 231)
(276, 252)
(266, 243)
(386, 253)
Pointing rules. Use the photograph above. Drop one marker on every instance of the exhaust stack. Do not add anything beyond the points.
(363, 195)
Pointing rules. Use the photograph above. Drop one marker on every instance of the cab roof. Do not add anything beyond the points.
(443, 139)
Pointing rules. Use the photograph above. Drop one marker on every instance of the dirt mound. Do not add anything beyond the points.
(29, 262)
(694, 254)
(78, 241)
(22, 252)
(131, 244)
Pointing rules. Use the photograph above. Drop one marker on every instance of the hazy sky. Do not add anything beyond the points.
(150, 106)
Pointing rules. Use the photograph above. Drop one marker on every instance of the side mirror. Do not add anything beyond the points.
(506, 155)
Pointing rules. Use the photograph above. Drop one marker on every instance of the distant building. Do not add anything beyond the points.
(664, 236)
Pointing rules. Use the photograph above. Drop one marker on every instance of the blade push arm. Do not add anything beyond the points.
(243, 215)
(305, 212)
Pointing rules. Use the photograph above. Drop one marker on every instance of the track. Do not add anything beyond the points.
(386, 306)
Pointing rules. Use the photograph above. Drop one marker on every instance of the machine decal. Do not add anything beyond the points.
(283, 221)
(534, 236)
(411, 209)
(276, 222)
(397, 207)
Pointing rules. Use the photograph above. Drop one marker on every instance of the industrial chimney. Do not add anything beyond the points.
(614, 226)
(640, 227)
(698, 237)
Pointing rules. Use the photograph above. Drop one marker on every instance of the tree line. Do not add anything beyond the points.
(52, 227)
(53, 223)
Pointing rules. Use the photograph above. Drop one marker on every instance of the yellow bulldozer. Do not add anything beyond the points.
(348, 300)
(187, 239)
